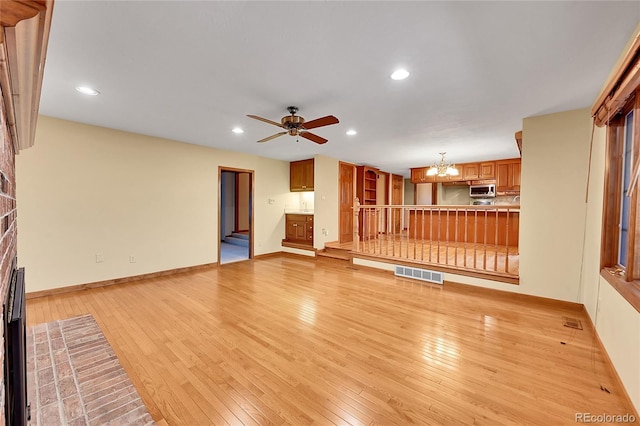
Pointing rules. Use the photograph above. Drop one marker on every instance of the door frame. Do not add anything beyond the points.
(251, 204)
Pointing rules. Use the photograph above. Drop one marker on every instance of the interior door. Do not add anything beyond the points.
(346, 182)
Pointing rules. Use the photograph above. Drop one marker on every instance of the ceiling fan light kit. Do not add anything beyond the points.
(295, 125)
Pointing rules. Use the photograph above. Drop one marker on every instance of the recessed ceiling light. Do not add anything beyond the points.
(87, 90)
(237, 130)
(400, 74)
(351, 132)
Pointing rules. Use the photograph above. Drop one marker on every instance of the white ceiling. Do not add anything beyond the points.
(191, 71)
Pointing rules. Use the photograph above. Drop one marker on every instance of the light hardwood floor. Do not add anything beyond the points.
(288, 340)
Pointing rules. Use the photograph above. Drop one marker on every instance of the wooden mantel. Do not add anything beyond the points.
(24, 37)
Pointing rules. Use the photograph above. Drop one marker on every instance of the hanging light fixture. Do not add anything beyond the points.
(443, 169)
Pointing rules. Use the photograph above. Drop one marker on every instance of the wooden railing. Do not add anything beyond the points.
(481, 239)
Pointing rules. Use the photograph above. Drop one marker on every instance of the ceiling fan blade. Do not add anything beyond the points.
(277, 135)
(266, 120)
(319, 122)
(313, 137)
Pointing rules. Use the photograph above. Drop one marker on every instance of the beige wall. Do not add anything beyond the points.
(616, 321)
(555, 155)
(591, 260)
(424, 194)
(86, 190)
(326, 200)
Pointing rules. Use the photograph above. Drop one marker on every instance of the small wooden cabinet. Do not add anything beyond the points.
(299, 228)
(419, 175)
(487, 170)
(301, 175)
(469, 171)
(508, 176)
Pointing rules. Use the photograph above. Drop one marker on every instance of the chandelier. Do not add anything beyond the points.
(443, 169)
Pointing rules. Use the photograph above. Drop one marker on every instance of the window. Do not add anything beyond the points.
(618, 108)
(620, 256)
(626, 181)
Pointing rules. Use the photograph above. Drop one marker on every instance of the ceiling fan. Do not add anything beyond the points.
(296, 126)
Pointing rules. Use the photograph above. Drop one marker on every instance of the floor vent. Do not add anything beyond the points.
(572, 323)
(420, 274)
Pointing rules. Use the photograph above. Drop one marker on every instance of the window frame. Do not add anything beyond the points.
(625, 279)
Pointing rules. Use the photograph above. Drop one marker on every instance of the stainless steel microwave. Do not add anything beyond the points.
(482, 191)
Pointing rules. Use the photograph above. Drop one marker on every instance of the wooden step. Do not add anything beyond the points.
(334, 254)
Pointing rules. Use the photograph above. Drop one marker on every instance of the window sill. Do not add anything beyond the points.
(630, 291)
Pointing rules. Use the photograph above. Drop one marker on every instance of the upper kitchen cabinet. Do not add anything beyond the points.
(478, 171)
(469, 171)
(487, 170)
(301, 175)
(508, 176)
(419, 175)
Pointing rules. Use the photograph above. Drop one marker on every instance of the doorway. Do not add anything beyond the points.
(235, 215)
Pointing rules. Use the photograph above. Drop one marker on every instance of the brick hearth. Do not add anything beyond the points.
(75, 378)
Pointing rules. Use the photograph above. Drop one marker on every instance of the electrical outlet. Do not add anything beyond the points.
(325, 232)
(132, 259)
(271, 201)
(99, 258)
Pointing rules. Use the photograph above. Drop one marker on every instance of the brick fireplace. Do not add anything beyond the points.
(24, 35)
(7, 230)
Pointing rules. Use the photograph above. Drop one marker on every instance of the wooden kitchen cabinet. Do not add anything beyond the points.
(469, 171)
(299, 228)
(477, 171)
(419, 175)
(301, 175)
(487, 170)
(508, 176)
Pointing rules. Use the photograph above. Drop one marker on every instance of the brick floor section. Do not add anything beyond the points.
(74, 377)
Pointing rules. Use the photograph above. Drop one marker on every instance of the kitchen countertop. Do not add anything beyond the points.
(310, 212)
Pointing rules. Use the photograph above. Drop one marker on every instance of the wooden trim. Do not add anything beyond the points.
(493, 276)
(434, 194)
(633, 240)
(252, 185)
(514, 297)
(608, 362)
(14, 11)
(610, 208)
(24, 37)
(619, 89)
(105, 283)
(298, 246)
(269, 255)
(629, 290)
(236, 177)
